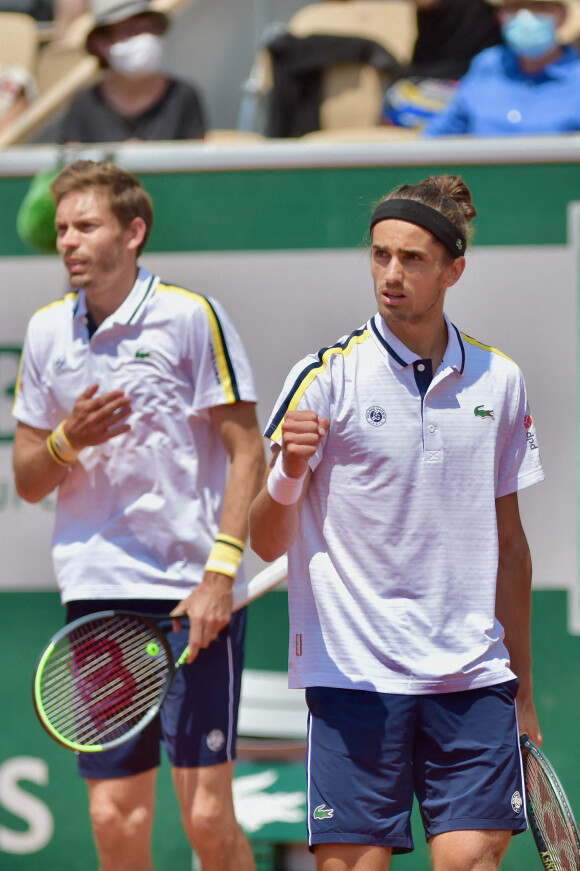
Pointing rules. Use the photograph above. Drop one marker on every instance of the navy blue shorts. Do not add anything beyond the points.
(197, 724)
(370, 753)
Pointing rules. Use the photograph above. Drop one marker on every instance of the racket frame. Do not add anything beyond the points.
(143, 722)
(529, 747)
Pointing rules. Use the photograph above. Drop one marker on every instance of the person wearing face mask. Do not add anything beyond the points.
(530, 85)
(449, 34)
(136, 100)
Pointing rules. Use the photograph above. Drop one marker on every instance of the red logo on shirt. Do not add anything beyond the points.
(528, 421)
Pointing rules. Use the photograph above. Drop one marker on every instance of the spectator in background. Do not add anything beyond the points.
(136, 100)
(17, 90)
(449, 34)
(530, 85)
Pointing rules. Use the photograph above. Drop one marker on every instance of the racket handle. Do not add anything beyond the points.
(261, 583)
(183, 656)
(265, 580)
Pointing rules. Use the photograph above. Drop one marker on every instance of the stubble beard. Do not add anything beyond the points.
(396, 316)
(97, 268)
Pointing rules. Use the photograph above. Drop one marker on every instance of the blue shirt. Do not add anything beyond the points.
(496, 98)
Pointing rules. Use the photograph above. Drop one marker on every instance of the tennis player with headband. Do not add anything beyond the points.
(398, 452)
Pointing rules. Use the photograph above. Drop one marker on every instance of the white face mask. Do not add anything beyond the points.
(138, 55)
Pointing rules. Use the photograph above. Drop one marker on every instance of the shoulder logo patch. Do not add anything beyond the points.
(323, 813)
(376, 415)
(480, 411)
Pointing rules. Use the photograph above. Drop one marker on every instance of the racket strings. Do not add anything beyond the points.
(101, 678)
(558, 850)
(66, 713)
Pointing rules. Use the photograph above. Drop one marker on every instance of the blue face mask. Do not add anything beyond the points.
(530, 35)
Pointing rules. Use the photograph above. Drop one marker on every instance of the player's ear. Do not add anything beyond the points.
(135, 234)
(455, 271)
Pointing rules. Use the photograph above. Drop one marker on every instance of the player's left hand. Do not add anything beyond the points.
(208, 609)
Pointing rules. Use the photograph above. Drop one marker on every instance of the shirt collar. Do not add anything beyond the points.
(454, 356)
(131, 307)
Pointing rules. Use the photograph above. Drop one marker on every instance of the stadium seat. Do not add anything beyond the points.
(59, 57)
(391, 23)
(352, 93)
(362, 134)
(570, 30)
(18, 40)
(223, 136)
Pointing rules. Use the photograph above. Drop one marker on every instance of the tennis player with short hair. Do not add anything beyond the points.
(398, 454)
(133, 398)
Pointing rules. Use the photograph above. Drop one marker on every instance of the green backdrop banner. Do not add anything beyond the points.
(302, 208)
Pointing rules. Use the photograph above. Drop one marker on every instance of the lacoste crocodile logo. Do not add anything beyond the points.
(480, 411)
(323, 813)
(141, 353)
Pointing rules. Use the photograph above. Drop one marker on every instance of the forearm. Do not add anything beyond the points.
(208, 606)
(36, 474)
(514, 605)
(513, 608)
(94, 420)
(273, 527)
(514, 612)
(275, 514)
(246, 473)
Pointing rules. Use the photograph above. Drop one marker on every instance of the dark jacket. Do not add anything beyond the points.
(298, 63)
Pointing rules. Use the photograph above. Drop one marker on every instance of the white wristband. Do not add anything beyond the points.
(281, 487)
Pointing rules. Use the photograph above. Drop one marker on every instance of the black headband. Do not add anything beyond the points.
(430, 219)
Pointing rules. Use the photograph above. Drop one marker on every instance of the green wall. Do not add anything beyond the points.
(261, 209)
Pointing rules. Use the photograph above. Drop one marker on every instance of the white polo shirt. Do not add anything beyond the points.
(137, 516)
(392, 580)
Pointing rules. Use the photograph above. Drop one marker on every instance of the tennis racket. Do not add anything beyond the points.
(549, 812)
(103, 678)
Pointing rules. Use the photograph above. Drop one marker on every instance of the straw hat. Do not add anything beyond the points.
(106, 12)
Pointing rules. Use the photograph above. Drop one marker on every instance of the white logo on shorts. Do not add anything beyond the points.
(517, 802)
(215, 740)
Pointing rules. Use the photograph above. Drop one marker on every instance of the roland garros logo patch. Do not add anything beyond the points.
(376, 415)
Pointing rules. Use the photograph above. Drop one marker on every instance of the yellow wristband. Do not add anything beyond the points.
(60, 448)
(65, 441)
(226, 555)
